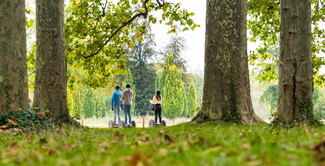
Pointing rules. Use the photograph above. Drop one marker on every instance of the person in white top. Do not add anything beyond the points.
(157, 101)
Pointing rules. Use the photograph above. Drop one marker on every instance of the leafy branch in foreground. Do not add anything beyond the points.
(98, 33)
(264, 27)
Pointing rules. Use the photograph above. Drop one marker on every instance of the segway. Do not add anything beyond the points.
(121, 124)
(153, 124)
(116, 125)
(130, 125)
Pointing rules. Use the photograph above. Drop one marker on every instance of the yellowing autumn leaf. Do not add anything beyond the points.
(13, 122)
(3, 127)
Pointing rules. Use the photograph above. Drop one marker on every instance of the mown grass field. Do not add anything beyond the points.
(183, 144)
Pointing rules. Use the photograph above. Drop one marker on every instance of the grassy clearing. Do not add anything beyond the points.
(184, 144)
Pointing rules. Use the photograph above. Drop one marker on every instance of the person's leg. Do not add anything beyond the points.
(118, 114)
(114, 114)
(156, 113)
(159, 114)
(129, 112)
(125, 114)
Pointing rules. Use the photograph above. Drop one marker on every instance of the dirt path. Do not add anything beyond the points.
(140, 121)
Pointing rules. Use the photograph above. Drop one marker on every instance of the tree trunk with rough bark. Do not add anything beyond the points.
(296, 71)
(13, 63)
(226, 93)
(51, 67)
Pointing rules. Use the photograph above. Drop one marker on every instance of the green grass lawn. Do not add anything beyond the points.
(184, 144)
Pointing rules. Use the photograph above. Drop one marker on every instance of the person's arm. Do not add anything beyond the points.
(122, 97)
(154, 100)
(131, 95)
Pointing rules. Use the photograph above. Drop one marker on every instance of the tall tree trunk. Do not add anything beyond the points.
(13, 63)
(51, 68)
(226, 93)
(296, 71)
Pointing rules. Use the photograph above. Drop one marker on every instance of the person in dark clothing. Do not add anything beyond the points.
(157, 101)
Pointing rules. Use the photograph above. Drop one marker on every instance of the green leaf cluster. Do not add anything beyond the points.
(173, 90)
(25, 121)
(191, 101)
(264, 28)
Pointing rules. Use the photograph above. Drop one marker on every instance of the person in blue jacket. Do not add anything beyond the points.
(116, 104)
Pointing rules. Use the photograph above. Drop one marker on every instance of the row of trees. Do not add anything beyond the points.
(226, 84)
(50, 91)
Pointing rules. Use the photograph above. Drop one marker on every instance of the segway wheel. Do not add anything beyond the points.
(110, 124)
(163, 123)
(121, 124)
(151, 123)
(133, 123)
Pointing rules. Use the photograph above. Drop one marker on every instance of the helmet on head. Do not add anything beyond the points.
(158, 92)
(127, 85)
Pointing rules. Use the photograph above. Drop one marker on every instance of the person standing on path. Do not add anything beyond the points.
(126, 98)
(116, 104)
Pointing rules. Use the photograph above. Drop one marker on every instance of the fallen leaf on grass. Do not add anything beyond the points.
(320, 152)
(211, 150)
(49, 151)
(3, 127)
(13, 122)
(13, 148)
(169, 139)
(104, 144)
(41, 113)
(163, 152)
(163, 132)
(29, 138)
(246, 146)
(135, 158)
(118, 134)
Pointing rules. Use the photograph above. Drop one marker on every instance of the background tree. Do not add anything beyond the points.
(198, 86)
(176, 45)
(13, 63)
(50, 92)
(270, 96)
(169, 61)
(296, 71)
(226, 93)
(191, 101)
(143, 74)
(173, 93)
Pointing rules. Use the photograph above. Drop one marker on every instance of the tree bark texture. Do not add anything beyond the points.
(51, 66)
(295, 70)
(226, 92)
(13, 63)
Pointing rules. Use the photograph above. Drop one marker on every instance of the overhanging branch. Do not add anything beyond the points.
(161, 3)
(144, 14)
